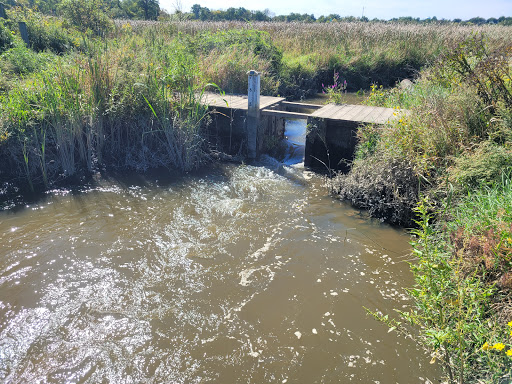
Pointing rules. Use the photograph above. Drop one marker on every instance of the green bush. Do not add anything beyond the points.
(87, 15)
(21, 60)
(486, 164)
(44, 32)
(6, 37)
(387, 186)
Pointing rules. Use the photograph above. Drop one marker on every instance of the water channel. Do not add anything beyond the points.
(236, 274)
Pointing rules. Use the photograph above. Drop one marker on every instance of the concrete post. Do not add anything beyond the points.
(253, 113)
(23, 32)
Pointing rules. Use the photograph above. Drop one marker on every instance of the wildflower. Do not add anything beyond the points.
(510, 324)
(499, 346)
(509, 352)
(486, 346)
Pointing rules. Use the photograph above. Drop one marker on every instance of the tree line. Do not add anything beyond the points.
(150, 10)
(197, 12)
(114, 9)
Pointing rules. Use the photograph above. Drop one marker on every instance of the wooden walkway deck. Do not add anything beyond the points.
(238, 101)
(270, 106)
(357, 113)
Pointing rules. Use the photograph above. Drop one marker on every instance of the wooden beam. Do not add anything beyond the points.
(300, 105)
(288, 115)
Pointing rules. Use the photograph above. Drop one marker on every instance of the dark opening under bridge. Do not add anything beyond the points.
(331, 129)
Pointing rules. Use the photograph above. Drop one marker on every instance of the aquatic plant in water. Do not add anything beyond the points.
(335, 91)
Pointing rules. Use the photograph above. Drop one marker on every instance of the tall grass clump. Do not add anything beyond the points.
(455, 117)
(362, 53)
(110, 106)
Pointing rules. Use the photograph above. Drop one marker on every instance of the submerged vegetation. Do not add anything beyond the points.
(92, 94)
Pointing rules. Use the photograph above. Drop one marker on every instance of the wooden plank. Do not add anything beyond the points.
(338, 108)
(325, 111)
(285, 114)
(238, 103)
(214, 100)
(349, 116)
(386, 116)
(343, 111)
(268, 101)
(363, 113)
(300, 105)
(24, 32)
(374, 114)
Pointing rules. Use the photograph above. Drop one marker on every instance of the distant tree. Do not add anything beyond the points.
(86, 15)
(151, 9)
(196, 10)
(492, 20)
(259, 16)
(204, 13)
(477, 20)
(505, 20)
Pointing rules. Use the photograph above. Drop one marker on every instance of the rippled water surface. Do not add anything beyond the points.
(241, 274)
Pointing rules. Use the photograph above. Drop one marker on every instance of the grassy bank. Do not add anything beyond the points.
(445, 168)
(124, 94)
(363, 53)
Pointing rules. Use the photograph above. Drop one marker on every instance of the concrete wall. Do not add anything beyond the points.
(228, 131)
(330, 144)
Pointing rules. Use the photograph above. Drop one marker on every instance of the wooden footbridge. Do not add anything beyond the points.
(279, 107)
(331, 129)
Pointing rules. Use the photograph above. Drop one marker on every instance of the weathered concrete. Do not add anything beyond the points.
(330, 144)
(228, 131)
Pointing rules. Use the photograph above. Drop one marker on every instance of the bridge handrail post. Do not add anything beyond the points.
(253, 112)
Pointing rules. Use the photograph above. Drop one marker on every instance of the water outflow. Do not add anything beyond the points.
(241, 274)
(295, 134)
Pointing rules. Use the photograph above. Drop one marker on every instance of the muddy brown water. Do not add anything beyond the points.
(239, 274)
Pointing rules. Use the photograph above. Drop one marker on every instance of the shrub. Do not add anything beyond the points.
(486, 164)
(44, 32)
(87, 15)
(22, 60)
(6, 37)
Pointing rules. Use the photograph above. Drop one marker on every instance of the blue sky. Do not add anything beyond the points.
(448, 9)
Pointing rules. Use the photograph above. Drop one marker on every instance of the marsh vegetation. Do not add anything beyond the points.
(90, 95)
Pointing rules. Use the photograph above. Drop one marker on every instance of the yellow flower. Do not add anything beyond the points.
(509, 352)
(486, 346)
(510, 324)
(499, 346)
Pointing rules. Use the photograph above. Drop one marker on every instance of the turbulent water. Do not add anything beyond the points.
(241, 274)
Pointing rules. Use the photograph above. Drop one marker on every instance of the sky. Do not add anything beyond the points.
(442, 9)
